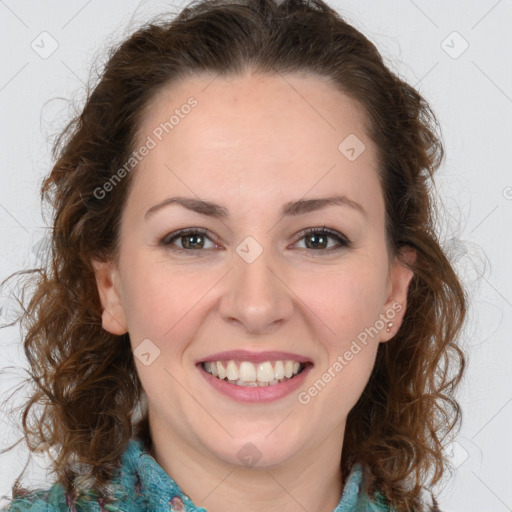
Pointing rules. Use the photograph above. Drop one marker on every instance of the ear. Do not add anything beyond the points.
(113, 317)
(396, 303)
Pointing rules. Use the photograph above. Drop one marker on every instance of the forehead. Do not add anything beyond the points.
(246, 131)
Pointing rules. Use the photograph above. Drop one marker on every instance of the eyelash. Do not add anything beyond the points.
(343, 242)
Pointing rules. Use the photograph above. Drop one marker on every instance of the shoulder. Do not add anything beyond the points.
(39, 500)
(355, 496)
(122, 493)
(377, 502)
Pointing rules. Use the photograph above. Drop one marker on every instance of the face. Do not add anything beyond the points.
(248, 281)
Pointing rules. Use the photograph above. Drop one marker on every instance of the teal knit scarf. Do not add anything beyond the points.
(141, 485)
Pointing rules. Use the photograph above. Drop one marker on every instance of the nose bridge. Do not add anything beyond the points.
(255, 297)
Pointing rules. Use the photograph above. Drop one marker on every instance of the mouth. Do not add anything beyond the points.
(254, 374)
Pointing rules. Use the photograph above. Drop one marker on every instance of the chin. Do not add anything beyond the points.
(254, 451)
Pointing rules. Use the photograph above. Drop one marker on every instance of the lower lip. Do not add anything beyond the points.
(256, 394)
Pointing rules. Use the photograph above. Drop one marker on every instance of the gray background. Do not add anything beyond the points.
(456, 53)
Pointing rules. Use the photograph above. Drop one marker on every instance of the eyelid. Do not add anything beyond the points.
(343, 241)
(166, 240)
(331, 232)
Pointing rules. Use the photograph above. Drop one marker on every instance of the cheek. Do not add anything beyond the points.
(346, 301)
(347, 308)
(157, 299)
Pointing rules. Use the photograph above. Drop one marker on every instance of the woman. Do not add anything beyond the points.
(246, 307)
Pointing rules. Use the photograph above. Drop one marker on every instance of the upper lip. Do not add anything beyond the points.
(254, 357)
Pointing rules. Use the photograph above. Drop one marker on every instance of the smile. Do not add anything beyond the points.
(248, 374)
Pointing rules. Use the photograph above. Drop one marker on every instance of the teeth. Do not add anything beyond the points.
(220, 370)
(279, 370)
(265, 372)
(249, 374)
(232, 371)
(241, 382)
(288, 369)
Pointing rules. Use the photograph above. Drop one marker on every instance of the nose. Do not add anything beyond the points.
(256, 296)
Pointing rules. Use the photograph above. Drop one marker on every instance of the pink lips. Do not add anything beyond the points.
(255, 394)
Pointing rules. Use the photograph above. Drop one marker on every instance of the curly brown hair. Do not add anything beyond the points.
(84, 378)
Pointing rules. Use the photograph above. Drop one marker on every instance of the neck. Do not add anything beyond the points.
(311, 480)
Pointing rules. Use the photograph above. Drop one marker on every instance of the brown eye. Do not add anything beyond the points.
(192, 241)
(187, 240)
(318, 239)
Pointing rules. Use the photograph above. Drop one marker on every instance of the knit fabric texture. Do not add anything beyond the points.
(141, 485)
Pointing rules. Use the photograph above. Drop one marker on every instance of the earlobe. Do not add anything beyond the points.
(113, 316)
(396, 303)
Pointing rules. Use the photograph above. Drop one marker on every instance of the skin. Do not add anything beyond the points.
(251, 144)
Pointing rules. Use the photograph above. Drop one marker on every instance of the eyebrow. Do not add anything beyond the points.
(292, 208)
